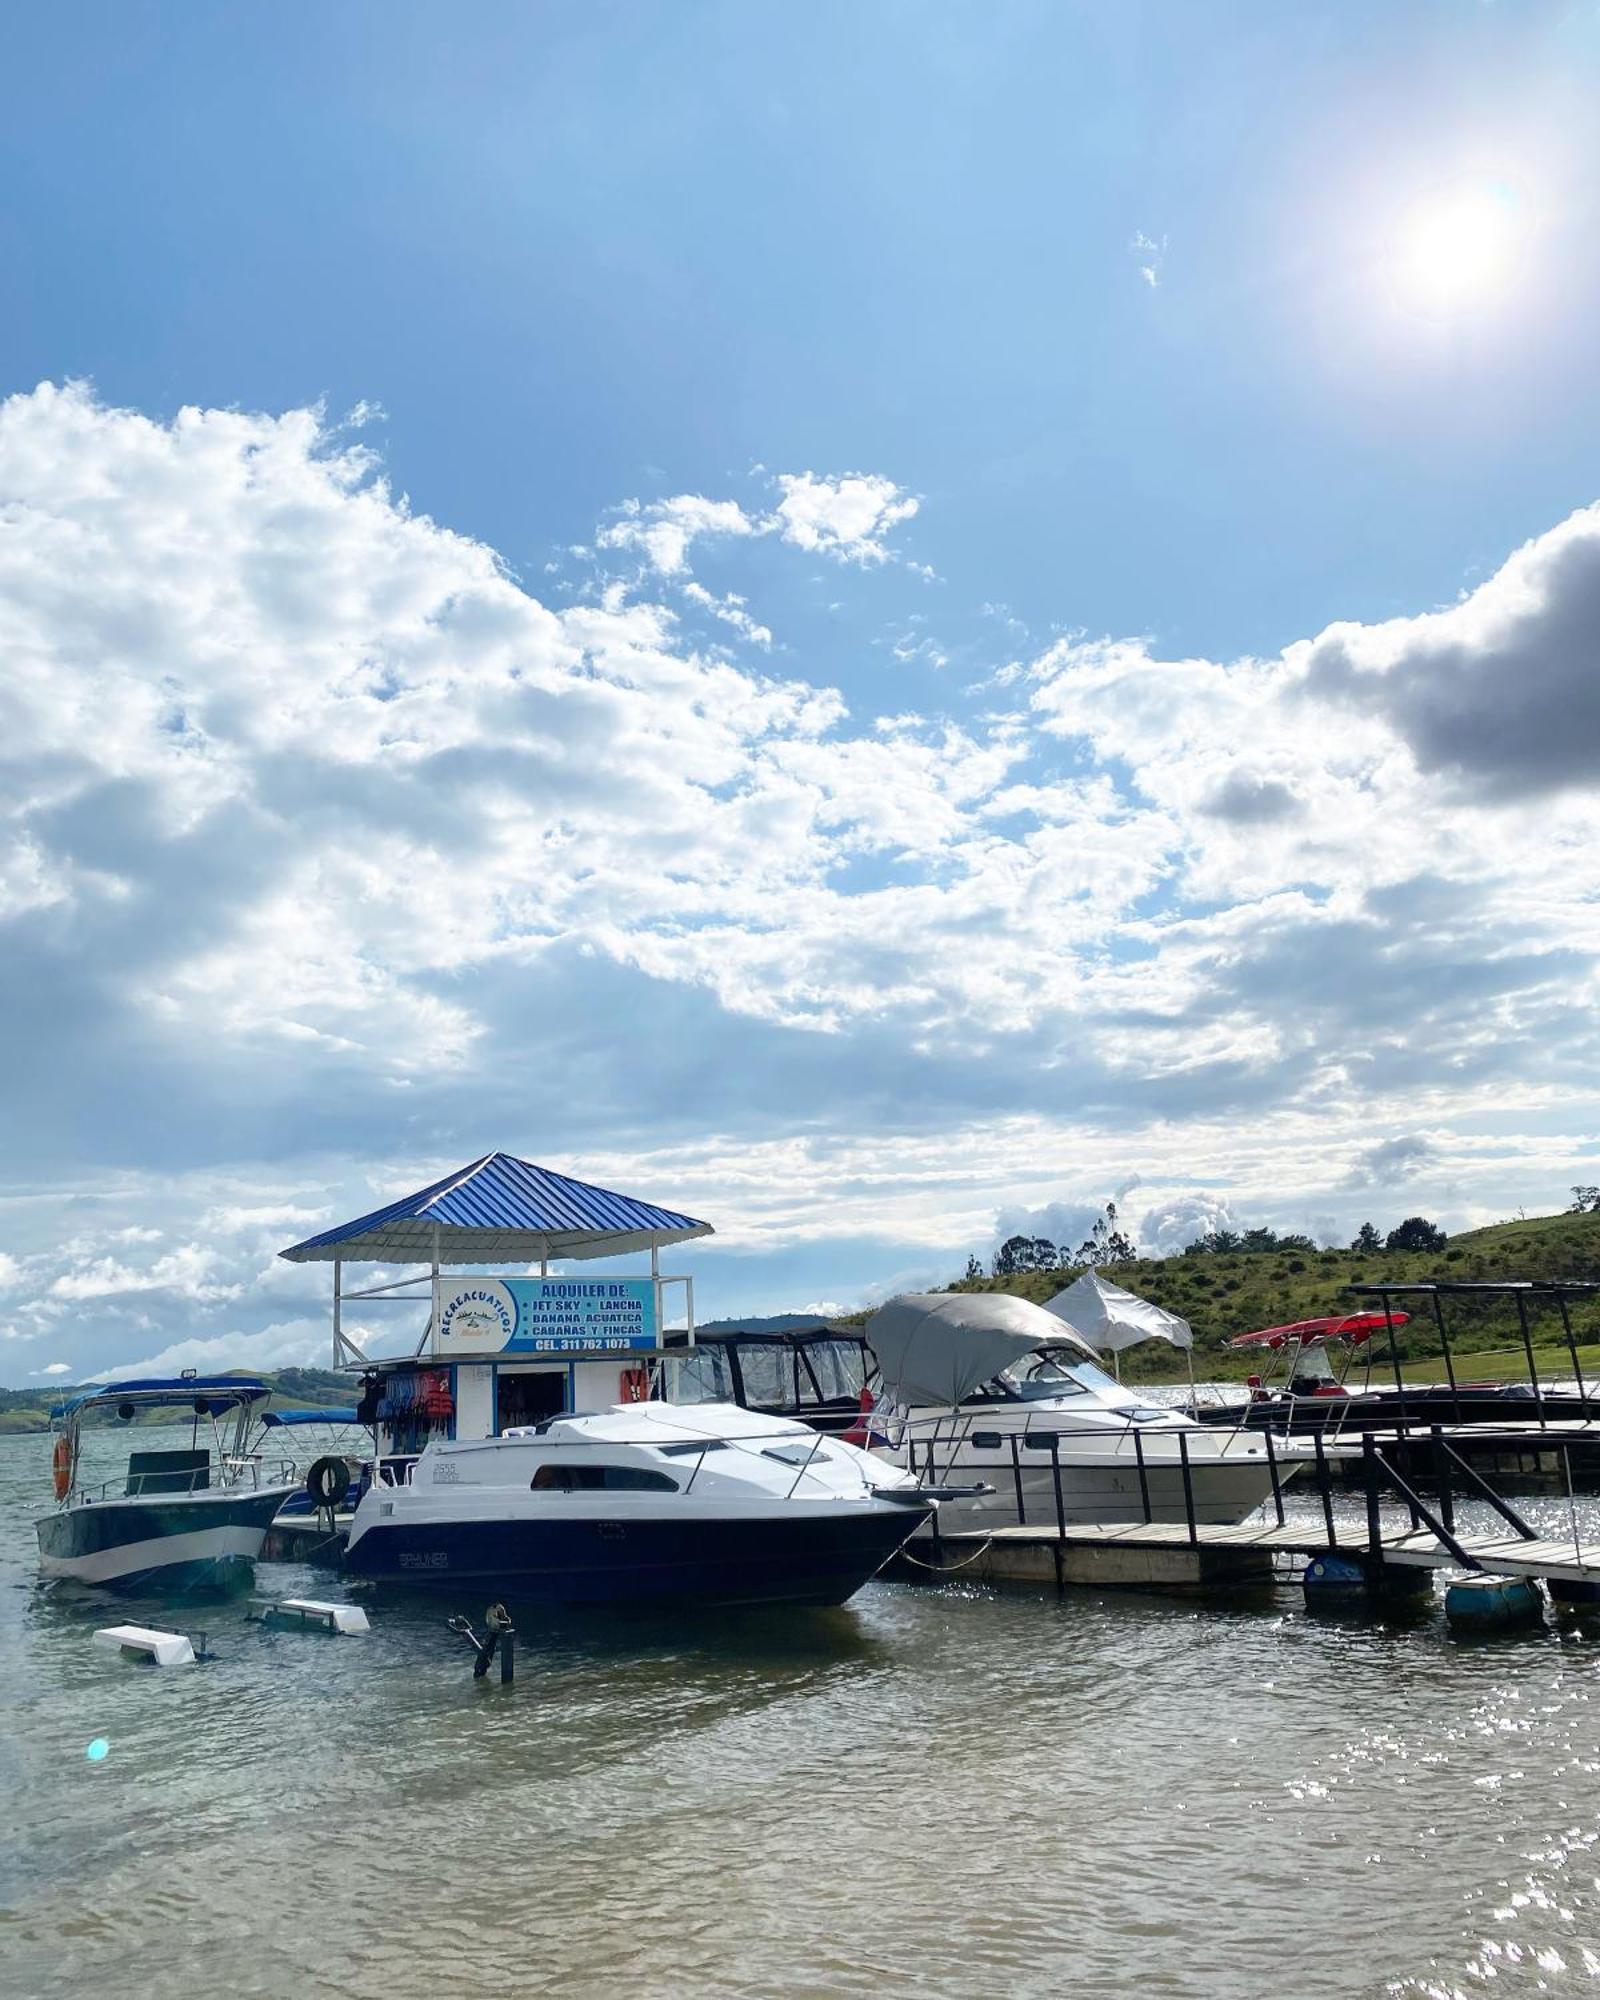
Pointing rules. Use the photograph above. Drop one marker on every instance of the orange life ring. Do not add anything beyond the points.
(61, 1466)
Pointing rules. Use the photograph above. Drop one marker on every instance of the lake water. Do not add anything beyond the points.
(935, 1789)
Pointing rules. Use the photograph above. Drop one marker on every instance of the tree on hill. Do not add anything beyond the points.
(974, 1268)
(1367, 1240)
(1107, 1242)
(1585, 1201)
(1416, 1233)
(1025, 1253)
(1253, 1243)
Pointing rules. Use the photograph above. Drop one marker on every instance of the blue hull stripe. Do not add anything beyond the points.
(609, 1562)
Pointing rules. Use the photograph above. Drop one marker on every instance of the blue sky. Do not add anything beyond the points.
(868, 620)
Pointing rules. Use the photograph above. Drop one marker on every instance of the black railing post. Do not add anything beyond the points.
(1325, 1487)
(1572, 1345)
(1394, 1359)
(1441, 1479)
(1016, 1479)
(1449, 1358)
(1055, 1480)
(1272, 1467)
(1527, 1348)
(1144, 1477)
(1188, 1486)
(1369, 1479)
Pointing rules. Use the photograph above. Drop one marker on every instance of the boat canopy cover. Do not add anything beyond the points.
(1354, 1327)
(1111, 1319)
(157, 1392)
(500, 1210)
(292, 1419)
(936, 1347)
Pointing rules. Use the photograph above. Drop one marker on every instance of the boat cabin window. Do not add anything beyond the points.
(601, 1478)
(694, 1445)
(1058, 1371)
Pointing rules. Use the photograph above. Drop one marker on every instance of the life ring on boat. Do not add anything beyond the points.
(61, 1466)
(328, 1481)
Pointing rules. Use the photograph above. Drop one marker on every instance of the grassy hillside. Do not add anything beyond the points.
(23, 1410)
(1228, 1294)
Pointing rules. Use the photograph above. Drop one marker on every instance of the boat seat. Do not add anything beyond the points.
(168, 1471)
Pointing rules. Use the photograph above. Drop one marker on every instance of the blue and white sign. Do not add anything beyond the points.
(544, 1316)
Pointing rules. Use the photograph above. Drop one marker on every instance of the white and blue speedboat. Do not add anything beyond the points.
(178, 1519)
(641, 1504)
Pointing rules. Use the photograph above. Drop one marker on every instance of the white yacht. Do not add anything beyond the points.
(643, 1503)
(983, 1386)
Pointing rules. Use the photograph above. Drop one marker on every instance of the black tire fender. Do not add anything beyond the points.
(328, 1481)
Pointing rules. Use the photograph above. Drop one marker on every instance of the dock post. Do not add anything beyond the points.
(1144, 1476)
(1016, 1479)
(1369, 1480)
(498, 1620)
(1441, 1478)
(1188, 1487)
(1272, 1468)
(1325, 1486)
(1055, 1476)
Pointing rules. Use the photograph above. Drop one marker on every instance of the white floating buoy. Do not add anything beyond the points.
(148, 1642)
(310, 1611)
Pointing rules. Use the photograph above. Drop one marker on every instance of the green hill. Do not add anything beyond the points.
(24, 1410)
(1224, 1294)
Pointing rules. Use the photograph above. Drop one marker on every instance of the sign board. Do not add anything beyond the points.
(544, 1316)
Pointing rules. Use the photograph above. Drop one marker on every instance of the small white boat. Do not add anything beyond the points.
(177, 1520)
(641, 1504)
(983, 1386)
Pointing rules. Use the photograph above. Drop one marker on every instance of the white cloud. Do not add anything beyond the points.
(322, 842)
(1150, 254)
(287, 1344)
(846, 518)
(663, 530)
(54, 1368)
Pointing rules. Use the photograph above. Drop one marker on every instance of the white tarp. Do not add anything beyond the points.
(1110, 1319)
(936, 1347)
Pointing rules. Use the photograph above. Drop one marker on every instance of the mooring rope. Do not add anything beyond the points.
(948, 1569)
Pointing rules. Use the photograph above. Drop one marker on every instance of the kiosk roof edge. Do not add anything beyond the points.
(499, 1210)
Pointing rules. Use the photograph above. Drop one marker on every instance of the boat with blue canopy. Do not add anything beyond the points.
(179, 1519)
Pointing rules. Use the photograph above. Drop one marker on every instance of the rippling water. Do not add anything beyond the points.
(940, 1789)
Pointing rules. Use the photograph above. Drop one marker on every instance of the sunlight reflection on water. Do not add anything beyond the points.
(936, 1788)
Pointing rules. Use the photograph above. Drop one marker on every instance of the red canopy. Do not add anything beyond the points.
(1354, 1327)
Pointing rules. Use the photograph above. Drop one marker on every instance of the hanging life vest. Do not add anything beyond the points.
(61, 1466)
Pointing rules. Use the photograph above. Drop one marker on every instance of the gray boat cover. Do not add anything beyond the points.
(936, 1347)
(1111, 1319)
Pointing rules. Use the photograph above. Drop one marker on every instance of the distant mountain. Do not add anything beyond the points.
(772, 1323)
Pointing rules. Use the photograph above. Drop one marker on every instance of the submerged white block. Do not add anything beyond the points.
(167, 1649)
(312, 1611)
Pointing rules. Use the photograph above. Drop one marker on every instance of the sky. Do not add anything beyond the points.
(878, 623)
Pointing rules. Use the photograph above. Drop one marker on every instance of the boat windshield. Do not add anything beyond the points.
(1055, 1372)
(701, 1376)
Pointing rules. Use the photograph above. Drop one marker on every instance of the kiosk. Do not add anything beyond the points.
(501, 1348)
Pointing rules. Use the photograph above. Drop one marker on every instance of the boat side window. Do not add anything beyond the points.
(761, 1363)
(839, 1367)
(1145, 1414)
(703, 1377)
(601, 1478)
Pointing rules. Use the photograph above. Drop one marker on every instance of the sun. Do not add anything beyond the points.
(1458, 250)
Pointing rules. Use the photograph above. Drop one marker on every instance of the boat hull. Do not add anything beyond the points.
(819, 1560)
(201, 1542)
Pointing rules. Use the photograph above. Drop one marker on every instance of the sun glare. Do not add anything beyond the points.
(1458, 250)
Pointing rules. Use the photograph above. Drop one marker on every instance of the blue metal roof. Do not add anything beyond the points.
(501, 1210)
(169, 1391)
